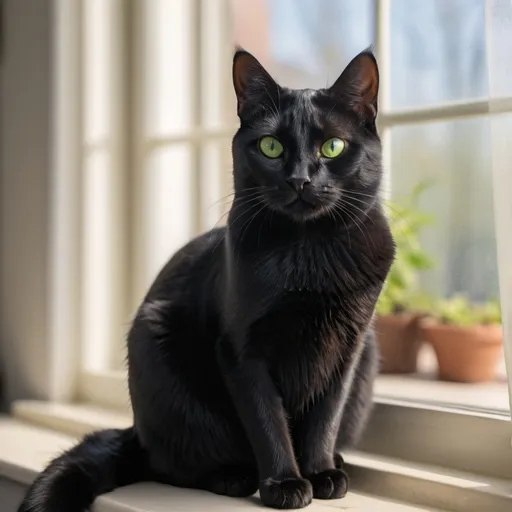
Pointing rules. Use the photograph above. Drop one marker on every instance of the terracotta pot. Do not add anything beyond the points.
(398, 338)
(465, 354)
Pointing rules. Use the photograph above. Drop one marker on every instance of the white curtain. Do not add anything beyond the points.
(499, 61)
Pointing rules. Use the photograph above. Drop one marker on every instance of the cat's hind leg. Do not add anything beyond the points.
(360, 400)
(234, 481)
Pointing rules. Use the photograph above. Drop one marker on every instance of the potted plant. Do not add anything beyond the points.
(397, 321)
(467, 339)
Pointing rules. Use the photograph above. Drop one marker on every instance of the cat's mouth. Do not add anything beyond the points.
(300, 202)
(302, 209)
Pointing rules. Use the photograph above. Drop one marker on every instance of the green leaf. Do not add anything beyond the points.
(406, 222)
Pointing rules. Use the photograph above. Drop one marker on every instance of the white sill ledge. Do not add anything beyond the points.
(25, 450)
(428, 435)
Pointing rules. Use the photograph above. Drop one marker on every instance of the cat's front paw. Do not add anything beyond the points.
(289, 493)
(329, 484)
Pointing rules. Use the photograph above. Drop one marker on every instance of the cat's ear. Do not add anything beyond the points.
(359, 85)
(252, 82)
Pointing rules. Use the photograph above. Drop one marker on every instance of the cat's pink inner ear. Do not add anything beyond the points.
(359, 84)
(369, 79)
(242, 64)
(250, 78)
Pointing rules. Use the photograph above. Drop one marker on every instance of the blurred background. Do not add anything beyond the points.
(117, 118)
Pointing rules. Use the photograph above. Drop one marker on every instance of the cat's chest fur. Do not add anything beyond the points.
(321, 266)
(322, 299)
(306, 339)
(303, 301)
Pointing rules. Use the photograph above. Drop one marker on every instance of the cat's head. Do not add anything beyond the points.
(308, 153)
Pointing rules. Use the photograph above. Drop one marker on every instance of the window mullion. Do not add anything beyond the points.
(120, 180)
(382, 40)
(195, 200)
(64, 304)
(445, 112)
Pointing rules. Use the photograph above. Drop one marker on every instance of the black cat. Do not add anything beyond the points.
(252, 359)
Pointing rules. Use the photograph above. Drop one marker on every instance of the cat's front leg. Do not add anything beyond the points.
(314, 435)
(261, 412)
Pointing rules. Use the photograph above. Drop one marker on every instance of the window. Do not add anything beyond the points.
(154, 159)
(158, 113)
(435, 122)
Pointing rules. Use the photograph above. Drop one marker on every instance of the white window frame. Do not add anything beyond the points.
(109, 388)
(128, 147)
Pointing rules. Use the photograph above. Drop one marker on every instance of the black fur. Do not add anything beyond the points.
(252, 358)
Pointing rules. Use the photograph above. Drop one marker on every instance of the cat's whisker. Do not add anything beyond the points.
(233, 222)
(262, 223)
(248, 222)
(276, 110)
(234, 200)
(348, 194)
(387, 205)
(233, 207)
(362, 228)
(365, 213)
(397, 227)
(253, 190)
(345, 224)
(251, 207)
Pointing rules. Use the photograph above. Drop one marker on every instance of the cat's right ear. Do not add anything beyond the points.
(252, 82)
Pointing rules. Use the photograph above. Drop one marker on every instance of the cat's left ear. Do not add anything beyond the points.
(252, 82)
(359, 85)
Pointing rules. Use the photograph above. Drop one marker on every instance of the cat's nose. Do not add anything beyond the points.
(298, 182)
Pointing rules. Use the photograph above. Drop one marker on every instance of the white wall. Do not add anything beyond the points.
(25, 128)
(11, 494)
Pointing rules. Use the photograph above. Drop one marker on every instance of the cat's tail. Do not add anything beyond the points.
(103, 461)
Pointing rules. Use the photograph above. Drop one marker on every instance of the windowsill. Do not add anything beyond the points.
(388, 475)
(25, 450)
(425, 388)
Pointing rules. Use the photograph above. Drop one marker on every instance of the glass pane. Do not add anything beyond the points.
(98, 293)
(454, 157)
(168, 206)
(499, 47)
(168, 64)
(453, 160)
(97, 70)
(437, 52)
(331, 33)
(214, 200)
(217, 99)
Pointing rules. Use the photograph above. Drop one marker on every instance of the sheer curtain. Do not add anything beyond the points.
(499, 61)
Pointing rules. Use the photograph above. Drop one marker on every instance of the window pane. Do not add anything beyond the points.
(331, 33)
(437, 51)
(455, 157)
(168, 60)
(97, 69)
(168, 206)
(499, 46)
(215, 174)
(217, 97)
(98, 292)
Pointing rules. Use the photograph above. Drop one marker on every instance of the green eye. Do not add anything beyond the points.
(332, 148)
(271, 147)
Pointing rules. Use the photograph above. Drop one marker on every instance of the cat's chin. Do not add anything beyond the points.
(301, 210)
